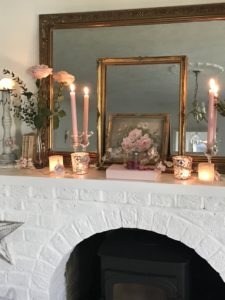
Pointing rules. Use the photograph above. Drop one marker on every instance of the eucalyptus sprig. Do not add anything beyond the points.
(32, 107)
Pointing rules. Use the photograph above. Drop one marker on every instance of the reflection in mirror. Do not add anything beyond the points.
(197, 107)
(190, 39)
(142, 85)
(144, 89)
(74, 41)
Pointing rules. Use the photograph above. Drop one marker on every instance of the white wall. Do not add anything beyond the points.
(19, 24)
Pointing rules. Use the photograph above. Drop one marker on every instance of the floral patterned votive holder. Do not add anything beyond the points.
(182, 167)
(80, 162)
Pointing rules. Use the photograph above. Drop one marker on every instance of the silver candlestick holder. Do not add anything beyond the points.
(81, 141)
(80, 157)
(211, 151)
(7, 158)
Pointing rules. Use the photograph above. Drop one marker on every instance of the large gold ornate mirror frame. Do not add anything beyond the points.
(166, 15)
(105, 63)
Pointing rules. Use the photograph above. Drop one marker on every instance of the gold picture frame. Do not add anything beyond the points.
(140, 131)
(105, 63)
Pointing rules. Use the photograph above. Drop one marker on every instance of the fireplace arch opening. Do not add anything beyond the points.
(127, 263)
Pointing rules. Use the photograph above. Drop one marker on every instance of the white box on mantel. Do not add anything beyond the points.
(117, 171)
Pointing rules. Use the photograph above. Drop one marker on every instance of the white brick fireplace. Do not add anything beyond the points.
(58, 213)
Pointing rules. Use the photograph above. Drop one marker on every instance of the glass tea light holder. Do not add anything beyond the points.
(56, 164)
(182, 167)
(80, 162)
(206, 172)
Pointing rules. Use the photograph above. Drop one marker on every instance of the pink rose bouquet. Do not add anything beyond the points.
(33, 108)
(136, 142)
(140, 142)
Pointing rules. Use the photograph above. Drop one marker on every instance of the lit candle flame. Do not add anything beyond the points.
(72, 87)
(6, 84)
(213, 86)
(86, 91)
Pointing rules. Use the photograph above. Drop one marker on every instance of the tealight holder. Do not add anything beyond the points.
(182, 167)
(56, 165)
(206, 172)
(54, 160)
(80, 162)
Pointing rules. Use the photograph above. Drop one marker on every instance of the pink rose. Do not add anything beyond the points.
(135, 134)
(126, 144)
(40, 71)
(143, 143)
(64, 77)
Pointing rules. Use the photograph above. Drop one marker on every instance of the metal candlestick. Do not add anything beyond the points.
(81, 141)
(80, 157)
(7, 157)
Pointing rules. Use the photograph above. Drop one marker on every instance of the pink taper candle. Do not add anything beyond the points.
(86, 107)
(211, 138)
(74, 113)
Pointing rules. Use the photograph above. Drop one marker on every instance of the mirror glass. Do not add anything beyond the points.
(139, 89)
(76, 51)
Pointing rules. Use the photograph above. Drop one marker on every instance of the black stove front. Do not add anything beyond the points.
(142, 266)
(134, 264)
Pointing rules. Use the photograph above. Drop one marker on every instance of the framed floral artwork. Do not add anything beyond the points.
(145, 135)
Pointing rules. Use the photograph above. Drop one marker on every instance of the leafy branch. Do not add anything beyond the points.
(32, 107)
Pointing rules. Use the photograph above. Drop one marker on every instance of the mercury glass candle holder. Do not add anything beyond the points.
(182, 167)
(80, 162)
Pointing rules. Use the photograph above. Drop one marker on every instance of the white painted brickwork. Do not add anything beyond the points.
(59, 213)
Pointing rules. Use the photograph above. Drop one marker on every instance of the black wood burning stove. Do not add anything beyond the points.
(128, 264)
(138, 265)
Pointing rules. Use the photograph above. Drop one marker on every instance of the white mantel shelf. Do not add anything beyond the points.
(97, 178)
(58, 213)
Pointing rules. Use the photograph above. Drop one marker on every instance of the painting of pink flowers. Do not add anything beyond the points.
(145, 134)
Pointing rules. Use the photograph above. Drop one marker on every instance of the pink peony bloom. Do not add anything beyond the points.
(40, 71)
(135, 134)
(143, 143)
(64, 77)
(126, 144)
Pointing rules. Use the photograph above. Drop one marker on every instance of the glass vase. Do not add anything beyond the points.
(40, 150)
(131, 160)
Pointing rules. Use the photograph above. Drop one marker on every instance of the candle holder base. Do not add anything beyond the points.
(7, 160)
(211, 151)
(80, 157)
(81, 141)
